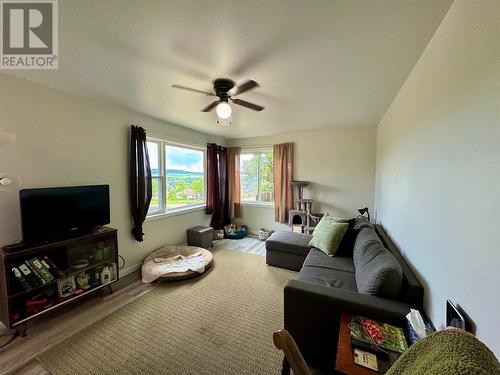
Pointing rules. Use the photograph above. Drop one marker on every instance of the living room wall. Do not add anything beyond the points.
(437, 179)
(339, 163)
(63, 139)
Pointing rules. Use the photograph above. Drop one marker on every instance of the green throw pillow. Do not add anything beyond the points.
(337, 219)
(328, 234)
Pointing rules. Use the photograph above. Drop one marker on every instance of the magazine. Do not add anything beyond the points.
(375, 336)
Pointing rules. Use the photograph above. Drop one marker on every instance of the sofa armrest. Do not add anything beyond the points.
(312, 316)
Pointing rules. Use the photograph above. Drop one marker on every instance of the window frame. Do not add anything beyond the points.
(258, 151)
(163, 209)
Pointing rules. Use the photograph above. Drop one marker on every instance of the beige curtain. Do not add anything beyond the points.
(283, 174)
(233, 180)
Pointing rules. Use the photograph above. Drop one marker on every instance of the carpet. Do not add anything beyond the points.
(219, 323)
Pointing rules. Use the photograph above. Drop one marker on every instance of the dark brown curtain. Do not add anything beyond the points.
(233, 182)
(217, 186)
(140, 179)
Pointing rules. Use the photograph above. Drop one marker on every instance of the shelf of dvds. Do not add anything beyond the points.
(38, 279)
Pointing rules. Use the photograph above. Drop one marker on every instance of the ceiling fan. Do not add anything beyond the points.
(222, 86)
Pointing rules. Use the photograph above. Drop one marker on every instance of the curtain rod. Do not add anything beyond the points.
(254, 146)
(174, 140)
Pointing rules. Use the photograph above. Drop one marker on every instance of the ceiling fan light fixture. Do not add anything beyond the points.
(224, 123)
(223, 110)
(222, 90)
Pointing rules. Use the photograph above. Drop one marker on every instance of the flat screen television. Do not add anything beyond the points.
(51, 214)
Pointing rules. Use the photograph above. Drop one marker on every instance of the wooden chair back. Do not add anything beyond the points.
(284, 341)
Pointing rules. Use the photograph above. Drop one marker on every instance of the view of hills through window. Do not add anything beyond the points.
(256, 174)
(182, 182)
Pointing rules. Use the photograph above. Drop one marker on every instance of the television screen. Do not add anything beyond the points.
(50, 214)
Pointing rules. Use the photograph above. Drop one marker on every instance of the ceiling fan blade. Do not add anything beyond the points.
(245, 86)
(244, 103)
(194, 90)
(211, 106)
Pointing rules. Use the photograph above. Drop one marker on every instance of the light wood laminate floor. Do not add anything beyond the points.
(45, 331)
(248, 244)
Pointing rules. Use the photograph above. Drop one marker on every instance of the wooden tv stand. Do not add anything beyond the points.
(99, 249)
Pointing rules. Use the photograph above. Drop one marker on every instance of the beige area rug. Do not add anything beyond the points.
(219, 323)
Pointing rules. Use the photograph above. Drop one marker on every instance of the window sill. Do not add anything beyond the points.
(258, 204)
(177, 212)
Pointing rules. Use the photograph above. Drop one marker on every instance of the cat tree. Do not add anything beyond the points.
(300, 218)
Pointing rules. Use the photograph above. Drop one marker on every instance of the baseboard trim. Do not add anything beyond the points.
(129, 270)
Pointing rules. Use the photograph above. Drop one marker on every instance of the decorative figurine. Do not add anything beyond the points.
(105, 275)
(66, 286)
(82, 279)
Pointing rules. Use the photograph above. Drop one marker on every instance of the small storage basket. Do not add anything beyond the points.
(264, 233)
(218, 234)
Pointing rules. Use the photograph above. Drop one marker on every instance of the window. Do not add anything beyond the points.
(178, 176)
(256, 173)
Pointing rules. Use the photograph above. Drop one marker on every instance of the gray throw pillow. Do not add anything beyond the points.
(364, 237)
(362, 222)
(378, 273)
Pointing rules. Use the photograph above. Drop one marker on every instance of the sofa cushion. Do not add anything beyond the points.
(364, 237)
(361, 222)
(346, 245)
(378, 273)
(289, 242)
(328, 277)
(317, 258)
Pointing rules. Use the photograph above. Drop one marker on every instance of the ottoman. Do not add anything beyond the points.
(200, 236)
(287, 249)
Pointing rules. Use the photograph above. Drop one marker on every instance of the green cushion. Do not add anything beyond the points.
(328, 234)
(334, 218)
(337, 219)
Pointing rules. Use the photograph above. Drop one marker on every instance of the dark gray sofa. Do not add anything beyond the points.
(367, 277)
(287, 249)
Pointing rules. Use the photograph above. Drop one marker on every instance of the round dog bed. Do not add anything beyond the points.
(150, 269)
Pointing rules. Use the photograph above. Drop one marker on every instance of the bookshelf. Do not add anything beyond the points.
(55, 274)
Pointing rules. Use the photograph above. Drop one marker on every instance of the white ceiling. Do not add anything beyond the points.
(320, 64)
